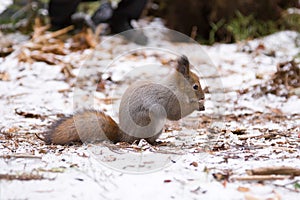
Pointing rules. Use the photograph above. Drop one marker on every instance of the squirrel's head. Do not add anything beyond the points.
(191, 84)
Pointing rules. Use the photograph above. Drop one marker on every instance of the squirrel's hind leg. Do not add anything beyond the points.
(152, 140)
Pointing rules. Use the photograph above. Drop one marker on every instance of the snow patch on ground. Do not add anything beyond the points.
(74, 173)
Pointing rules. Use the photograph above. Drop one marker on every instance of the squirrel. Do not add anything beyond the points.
(143, 110)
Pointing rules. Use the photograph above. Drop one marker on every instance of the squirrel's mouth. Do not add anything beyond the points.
(201, 105)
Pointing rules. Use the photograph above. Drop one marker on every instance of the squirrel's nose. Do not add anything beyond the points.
(201, 105)
(201, 108)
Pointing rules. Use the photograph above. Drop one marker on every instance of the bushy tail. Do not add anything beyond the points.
(84, 126)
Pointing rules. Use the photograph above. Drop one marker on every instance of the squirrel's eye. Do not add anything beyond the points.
(195, 87)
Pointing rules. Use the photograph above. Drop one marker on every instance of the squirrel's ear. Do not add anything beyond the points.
(183, 65)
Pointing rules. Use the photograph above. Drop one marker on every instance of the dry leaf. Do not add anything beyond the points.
(195, 164)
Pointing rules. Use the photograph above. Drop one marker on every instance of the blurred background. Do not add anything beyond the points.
(205, 21)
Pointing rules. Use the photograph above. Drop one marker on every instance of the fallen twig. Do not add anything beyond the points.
(22, 177)
(248, 136)
(281, 170)
(260, 177)
(21, 156)
(53, 34)
(290, 189)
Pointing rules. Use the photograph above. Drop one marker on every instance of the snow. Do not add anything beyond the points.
(4, 4)
(106, 171)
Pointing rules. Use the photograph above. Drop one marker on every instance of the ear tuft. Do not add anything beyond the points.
(183, 65)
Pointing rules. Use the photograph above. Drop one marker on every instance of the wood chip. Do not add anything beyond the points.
(4, 76)
(243, 189)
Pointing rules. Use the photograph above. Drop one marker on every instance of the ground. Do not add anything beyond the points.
(251, 120)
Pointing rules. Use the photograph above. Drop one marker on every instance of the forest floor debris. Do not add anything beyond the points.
(256, 129)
